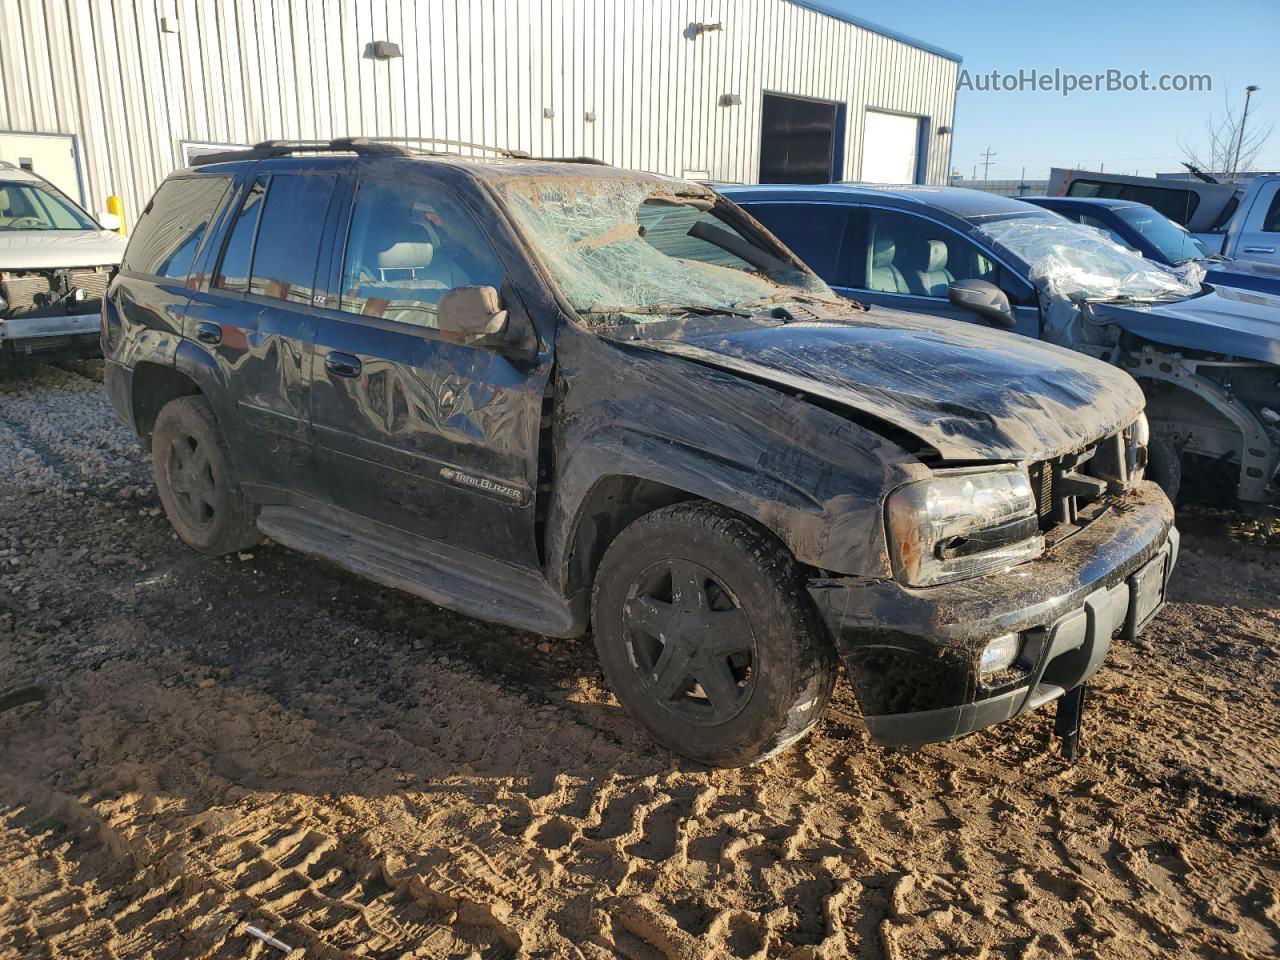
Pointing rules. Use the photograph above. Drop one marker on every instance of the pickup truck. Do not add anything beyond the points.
(1232, 220)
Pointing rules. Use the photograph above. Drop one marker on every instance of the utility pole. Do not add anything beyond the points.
(986, 161)
(1235, 164)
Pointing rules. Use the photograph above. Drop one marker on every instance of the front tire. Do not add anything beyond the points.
(707, 636)
(198, 486)
(1164, 465)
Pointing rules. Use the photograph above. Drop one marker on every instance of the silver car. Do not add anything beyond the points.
(55, 264)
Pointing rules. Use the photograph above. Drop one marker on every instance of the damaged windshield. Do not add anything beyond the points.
(630, 249)
(1075, 262)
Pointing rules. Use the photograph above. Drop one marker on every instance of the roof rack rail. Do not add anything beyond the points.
(501, 151)
(370, 146)
(283, 148)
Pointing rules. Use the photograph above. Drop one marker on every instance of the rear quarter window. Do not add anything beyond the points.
(165, 241)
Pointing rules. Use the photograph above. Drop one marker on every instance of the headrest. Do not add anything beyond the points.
(406, 255)
(882, 250)
(936, 256)
(4, 200)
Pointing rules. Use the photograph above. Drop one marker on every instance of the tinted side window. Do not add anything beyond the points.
(165, 241)
(233, 271)
(408, 245)
(284, 256)
(815, 232)
(1271, 222)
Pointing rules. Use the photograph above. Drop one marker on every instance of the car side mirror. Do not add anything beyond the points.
(474, 316)
(985, 299)
(109, 221)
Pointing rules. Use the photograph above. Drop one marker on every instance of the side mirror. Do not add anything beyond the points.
(474, 316)
(109, 221)
(985, 299)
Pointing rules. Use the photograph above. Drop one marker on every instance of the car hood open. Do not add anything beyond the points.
(969, 392)
(1226, 320)
(55, 249)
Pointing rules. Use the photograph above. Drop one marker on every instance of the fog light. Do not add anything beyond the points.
(999, 654)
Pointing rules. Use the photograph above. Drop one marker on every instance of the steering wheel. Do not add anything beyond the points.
(25, 222)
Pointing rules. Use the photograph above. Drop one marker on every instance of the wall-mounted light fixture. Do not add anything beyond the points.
(730, 100)
(589, 116)
(695, 30)
(943, 131)
(548, 113)
(383, 50)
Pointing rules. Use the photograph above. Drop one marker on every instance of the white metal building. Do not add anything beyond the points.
(108, 96)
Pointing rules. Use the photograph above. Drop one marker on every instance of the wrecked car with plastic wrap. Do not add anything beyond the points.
(572, 398)
(55, 264)
(1207, 356)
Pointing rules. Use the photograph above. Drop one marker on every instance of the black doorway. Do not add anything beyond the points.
(801, 140)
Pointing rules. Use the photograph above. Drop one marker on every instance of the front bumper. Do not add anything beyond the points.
(912, 653)
(25, 336)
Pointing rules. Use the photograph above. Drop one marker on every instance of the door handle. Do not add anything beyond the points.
(209, 333)
(342, 365)
(1259, 249)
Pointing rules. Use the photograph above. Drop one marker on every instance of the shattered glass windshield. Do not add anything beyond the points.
(631, 249)
(1074, 262)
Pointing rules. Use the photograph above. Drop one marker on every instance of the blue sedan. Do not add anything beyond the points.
(1156, 237)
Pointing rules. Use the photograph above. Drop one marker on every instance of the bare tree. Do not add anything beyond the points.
(1222, 145)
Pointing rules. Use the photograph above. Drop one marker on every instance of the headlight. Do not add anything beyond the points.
(962, 524)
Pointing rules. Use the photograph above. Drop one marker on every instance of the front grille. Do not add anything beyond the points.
(52, 293)
(1065, 487)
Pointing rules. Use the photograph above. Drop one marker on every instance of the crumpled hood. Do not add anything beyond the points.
(970, 392)
(1242, 323)
(51, 249)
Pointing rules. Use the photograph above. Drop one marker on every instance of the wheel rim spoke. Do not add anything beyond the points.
(688, 587)
(671, 672)
(718, 684)
(725, 632)
(649, 615)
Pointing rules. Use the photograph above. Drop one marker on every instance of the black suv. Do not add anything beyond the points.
(555, 394)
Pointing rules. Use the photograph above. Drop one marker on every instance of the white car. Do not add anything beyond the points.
(55, 264)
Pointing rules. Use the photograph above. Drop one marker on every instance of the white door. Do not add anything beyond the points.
(889, 145)
(52, 156)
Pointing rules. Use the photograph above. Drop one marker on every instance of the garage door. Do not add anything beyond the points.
(890, 143)
(53, 156)
(801, 140)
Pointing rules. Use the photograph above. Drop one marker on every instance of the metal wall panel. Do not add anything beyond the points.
(238, 71)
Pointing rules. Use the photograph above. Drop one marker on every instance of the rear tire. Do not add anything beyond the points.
(198, 486)
(1164, 465)
(707, 635)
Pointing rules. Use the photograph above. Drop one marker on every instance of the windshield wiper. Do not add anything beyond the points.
(671, 309)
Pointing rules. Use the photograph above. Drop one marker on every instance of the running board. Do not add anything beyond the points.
(458, 580)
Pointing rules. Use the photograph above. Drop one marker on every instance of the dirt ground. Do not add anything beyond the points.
(193, 748)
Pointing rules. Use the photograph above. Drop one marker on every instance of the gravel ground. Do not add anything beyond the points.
(197, 749)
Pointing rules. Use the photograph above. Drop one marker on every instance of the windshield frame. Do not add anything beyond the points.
(665, 189)
(42, 186)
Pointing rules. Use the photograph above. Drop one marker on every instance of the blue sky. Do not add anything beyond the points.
(1236, 43)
